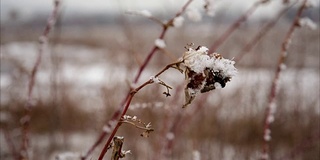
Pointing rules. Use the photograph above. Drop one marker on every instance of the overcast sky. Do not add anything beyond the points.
(28, 8)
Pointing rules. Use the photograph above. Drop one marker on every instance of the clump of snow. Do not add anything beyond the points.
(270, 118)
(155, 79)
(307, 22)
(170, 136)
(196, 60)
(144, 13)
(273, 107)
(126, 117)
(196, 155)
(178, 21)
(160, 43)
(194, 14)
(205, 72)
(146, 105)
(67, 156)
(267, 135)
(283, 66)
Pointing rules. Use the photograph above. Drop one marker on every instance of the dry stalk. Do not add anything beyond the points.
(128, 97)
(117, 148)
(270, 110)
(131, 95)
(25, 120)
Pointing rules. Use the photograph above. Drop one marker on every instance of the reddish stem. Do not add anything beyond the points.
(274, 86)
(25, 120)
(132, 93)
(128, 98)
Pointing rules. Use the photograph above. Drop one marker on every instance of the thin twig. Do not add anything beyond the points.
(155, 48)
(128, 97)
(139, 127)
(270, 110)
(132, 93)
(25, 120)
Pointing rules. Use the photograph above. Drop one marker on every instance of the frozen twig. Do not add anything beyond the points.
(138, 124)
(25, 120)
(165, 27)
(127, 99)
(271, 108)
(128, 102)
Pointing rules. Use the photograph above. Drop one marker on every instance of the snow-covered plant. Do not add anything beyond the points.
(204, 72)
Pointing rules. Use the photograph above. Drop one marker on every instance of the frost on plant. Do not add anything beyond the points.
(178, 21)
(160, 43)
(205, 72)
(133, 120)
(307, 22)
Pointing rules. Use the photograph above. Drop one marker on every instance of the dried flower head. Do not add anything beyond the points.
(205, 72)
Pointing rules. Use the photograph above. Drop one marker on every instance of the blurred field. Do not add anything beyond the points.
(85, 72)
